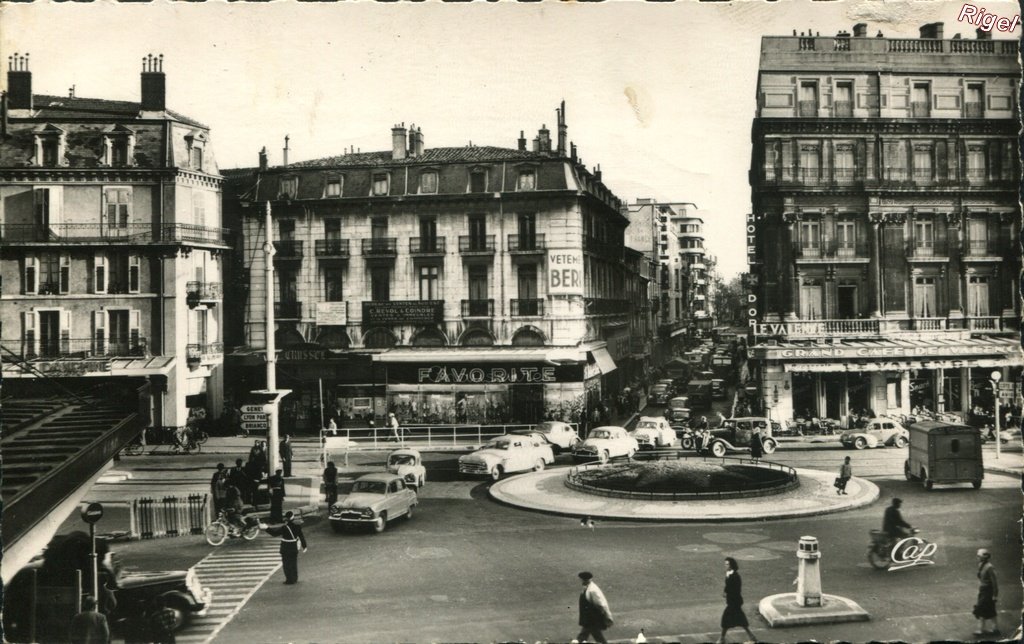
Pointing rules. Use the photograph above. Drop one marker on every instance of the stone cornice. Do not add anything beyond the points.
(873, 126)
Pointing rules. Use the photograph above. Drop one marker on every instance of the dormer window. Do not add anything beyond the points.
(527, 180)
(332, 186)
(288, 188)
(428, 182)
(197, 159)
(50, 147)
(381, 183)
(478, 180)
(196, 143)
(118, 147)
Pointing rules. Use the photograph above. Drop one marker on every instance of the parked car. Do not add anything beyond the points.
(132, 592)
(878, 432)
(561, 436)
(507, 454)
(652, 432)
(408, 464)
(375, 499)
(734, 436)
(718, 389)
(605, 443)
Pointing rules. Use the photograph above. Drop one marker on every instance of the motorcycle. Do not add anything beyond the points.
(222, 529)
(885, 551)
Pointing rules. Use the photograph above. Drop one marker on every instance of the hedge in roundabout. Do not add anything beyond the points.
(683, 477)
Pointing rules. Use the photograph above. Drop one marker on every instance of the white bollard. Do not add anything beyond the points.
(808, 588)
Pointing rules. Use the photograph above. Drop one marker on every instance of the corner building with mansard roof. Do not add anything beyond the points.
(885, 222)
(473, 284)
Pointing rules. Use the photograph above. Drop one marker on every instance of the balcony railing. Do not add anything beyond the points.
(477, 308)
(199, 353)
(832, 327)
(982, 248)
(288, 250)
(101, 233)
(985, 323)
(807, 109)
(809, 176)
(527, 307)
(204, 291)
(469, 244)
(842, 109)
(426, 246)
(288, 310)
(921, 248)
(526, 243)
(974, 110)
(380, 247)
(81, 348)
(928, 324)
(331, 248)
(192, 233)
(605, 306)
(845, 176)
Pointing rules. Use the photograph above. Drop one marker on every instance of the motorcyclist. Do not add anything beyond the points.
(893, 524)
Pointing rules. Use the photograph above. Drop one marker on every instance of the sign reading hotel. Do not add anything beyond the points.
(565, 271)
(332, 313)
(404, 312)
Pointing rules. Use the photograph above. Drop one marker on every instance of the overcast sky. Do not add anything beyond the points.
(660, 95)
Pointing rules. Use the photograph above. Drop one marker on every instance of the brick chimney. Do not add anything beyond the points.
(522, 141)
(415, 141)
(544, 136)
(562, 130)
(597, 173)
(263, 159)
(860, 30)
(154, 84)
(398, 142)
(19, 83)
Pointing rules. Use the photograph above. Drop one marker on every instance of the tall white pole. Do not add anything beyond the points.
(272, 416)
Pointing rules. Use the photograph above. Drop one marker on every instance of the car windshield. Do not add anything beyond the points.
(659, 388)
(601, 433)
(497, 445)
(371, 487)
(402, 459)
(646, 425)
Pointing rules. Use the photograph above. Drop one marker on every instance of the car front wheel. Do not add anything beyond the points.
(769, 447)
(380, 523)
(901, 442)
(604, 456)
(718, 449)
(496, 473)
(860, 443)
(539, 465)
(686, 443)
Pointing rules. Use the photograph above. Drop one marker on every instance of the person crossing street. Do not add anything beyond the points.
(595, 615)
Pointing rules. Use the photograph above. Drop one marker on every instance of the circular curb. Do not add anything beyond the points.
(545, 492)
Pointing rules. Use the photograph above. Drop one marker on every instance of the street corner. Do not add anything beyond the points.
(785, 609)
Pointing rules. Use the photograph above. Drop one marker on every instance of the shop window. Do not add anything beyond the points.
(527, 338)
(429, 338)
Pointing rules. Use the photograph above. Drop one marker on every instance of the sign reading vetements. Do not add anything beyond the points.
(565, 271)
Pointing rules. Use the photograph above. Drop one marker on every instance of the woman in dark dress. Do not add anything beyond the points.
(733, 615)
(756, 445)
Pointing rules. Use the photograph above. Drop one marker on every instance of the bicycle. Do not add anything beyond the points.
(185, 442)
(134, 448)
(221, 529)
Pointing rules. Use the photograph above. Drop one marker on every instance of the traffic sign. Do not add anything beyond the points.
(1006, 386)
(92, 513)
(254, 417)
(252, 409)
(253, 426)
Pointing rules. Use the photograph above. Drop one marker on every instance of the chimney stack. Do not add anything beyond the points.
(572, 151)
(285, 158)
(415, 141)
(398, 142)
(522, 141)
(544, 135)
(931, 30)
(19, 83)
(983, 35)
(860, 30)
(154, 84)
(263, 159)
(561, 130)
(597, 173)
(536, 143)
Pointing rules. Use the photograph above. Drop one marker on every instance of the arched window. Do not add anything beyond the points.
(527, 337)
(333, 338)
(429, 338)
(477, 338)
(288, 338)
(379, 338)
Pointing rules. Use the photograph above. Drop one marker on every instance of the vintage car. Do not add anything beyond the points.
(375, 499)
(561, 436)
(507, 454)
(877, 432)
(132, 593)
(734, 436)
(661, 392)
(679, 418)
(652, 432)
(718, 389)
(678, 402)
(408, 464)
(604, 443)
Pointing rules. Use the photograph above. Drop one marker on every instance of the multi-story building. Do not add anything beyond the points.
(111, 246)
(693, 263)
(885, 218)
(453, 284)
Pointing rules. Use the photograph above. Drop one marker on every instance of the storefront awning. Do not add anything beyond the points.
(98, 367)
(604, 360)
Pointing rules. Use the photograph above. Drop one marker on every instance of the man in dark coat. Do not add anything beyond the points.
(238, 478)
(595, 616)
(90, 626)
(275, 484)
(292, 539)
(286, 455)
(893, 523)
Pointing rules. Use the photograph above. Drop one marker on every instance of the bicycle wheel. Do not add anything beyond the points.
(196, 447)
(216, 533)
(201, 436)
(133, 449)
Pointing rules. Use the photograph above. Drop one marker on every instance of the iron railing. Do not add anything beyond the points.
(426, 246)
(200, 352)
(331, 247)
(477, 308)
(111, 234)
(521, 307)
(83, 348)
(526, 243)
(380, 246)
(205, 291)
(476, 243)
(921, 248)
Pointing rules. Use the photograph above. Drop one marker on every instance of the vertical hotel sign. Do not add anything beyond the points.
(752, 274)
(565, 271)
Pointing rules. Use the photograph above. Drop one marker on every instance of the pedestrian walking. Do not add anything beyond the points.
(988, 593)
(756, 445)
(89, 626)
(845, 474)
(396, 430)
(595, 616)
(331, 425)
(286, 455)
(290, 532)
(275, 486)
(733, 615)
(331, 484)
(161, 621)
(217, 483)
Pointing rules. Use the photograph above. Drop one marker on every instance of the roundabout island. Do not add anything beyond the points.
(687, 490)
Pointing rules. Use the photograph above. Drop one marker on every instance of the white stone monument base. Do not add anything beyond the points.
(783, 610)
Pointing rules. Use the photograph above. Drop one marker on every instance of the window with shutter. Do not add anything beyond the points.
(65, 332)
(99, 273)
(65, 273)
(31, 275)
(134, 323)
(133, 273)
(29, 348)
(117, 209)
(99, 324)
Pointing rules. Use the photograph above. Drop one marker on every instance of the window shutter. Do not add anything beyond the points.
(56, 206)
(941, 161)
(41, 202)
(30, 348)
(99, 273)
(65, 273)
(103, 211)
(31, 274)
(99, 324)
(133, 273)
(994, 158)
(134, 322)
(65, 332)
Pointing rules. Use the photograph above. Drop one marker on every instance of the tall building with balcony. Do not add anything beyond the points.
(694, 267)
(110, 246)
(455, 284)
(884, 187)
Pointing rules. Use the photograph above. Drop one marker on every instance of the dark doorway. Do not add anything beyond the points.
(846, 301)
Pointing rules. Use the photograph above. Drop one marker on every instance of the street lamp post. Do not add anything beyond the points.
(996, 377)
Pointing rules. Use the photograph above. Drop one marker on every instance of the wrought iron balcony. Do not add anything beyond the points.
(831, 249)
(204, 353)
(526, 243)
(982, 248)
(288, 250)
(926, 248)
(111, 234)
(477, 308)
(479, 244)
(426, 246)
(331, 248)
(380, 247)
(82, 348)
(288, 310)
(527, 307)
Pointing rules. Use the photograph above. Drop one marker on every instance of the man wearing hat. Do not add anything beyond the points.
(396, 431)
(595, 616)
(988, 593)
(292, 538)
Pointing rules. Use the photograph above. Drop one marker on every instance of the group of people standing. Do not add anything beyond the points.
(232, 489)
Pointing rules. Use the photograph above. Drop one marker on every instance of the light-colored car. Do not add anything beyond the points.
(653, 432)
(375, 499)
(877, 433)
(507, 454)
(408, 464)
(561, 436)
(604, 443)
